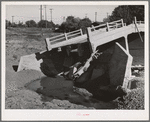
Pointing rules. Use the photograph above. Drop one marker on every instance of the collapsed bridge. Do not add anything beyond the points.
(115, 61)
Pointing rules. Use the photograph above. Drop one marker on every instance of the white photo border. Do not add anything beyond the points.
(40, 115)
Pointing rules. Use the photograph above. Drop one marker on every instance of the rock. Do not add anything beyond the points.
(48, 68)
(24, 99)
(29, 62)
(134, 100)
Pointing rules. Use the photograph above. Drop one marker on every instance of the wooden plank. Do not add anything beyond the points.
(107, 26)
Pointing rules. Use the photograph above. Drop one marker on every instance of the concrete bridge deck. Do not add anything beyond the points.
(98, 35)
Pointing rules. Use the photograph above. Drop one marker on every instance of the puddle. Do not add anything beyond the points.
(34, 85)
(59, 88)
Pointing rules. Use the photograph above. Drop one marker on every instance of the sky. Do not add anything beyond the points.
(23, 13)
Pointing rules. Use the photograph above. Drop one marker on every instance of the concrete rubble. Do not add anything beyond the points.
(105, 74)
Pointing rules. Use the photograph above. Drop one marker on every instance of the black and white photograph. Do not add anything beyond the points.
(75, 60)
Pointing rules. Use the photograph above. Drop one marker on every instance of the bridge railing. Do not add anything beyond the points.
(109, 26)
(73, 34)
(62, 37)
(65, 36)
(140, 22)
(115, 24)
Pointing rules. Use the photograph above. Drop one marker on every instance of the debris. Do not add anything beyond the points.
(137, 68)
(84, 68)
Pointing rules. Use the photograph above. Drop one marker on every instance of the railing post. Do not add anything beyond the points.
(135, 20)
(122, 22)
(132, 22)
(116, 25)
(93, 28)
(48, 44)
(126, 43)
(107, 29)
(81, 31)
(66, 36)
(89, 38)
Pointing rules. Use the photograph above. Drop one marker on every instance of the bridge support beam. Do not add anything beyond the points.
(126, 43)
(89, 39)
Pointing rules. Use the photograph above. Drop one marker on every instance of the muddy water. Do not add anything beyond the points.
(34, 85)
(51, 86)
(59, 88)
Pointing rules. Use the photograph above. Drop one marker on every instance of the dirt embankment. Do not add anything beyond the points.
(23, 41)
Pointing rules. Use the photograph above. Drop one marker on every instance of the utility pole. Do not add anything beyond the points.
(41, 16)
(51, 13)
(85, 15)
(64, 19)
(12, 19)
(95, 16)
(45, 16)
(40, 12)
(107, 15)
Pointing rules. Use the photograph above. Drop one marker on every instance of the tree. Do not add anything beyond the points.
(84, 23)
(71, 24)
(8, 24)
(51, 25)
(45, 23)
(97, 23)
(63, 27)
(57, 26)
(127, 13)
(20, 24)
(31, 23)
(107, 19)
(137, 11)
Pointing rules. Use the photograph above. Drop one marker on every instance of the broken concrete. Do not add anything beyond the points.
(38, 62)
(29, 62)
(112, 80)
(120, 67)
